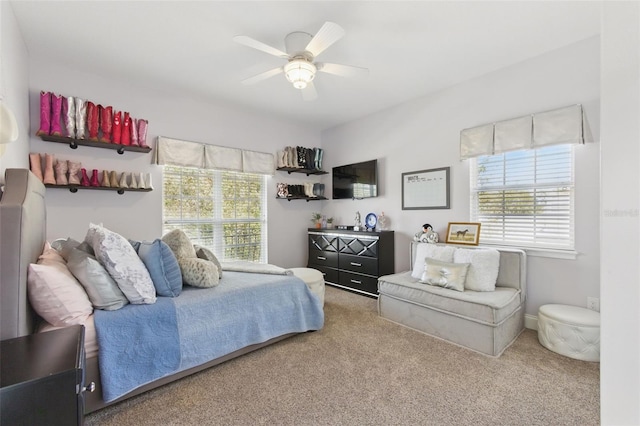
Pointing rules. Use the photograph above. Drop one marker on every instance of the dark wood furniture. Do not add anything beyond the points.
(352, 260)
(43, 378)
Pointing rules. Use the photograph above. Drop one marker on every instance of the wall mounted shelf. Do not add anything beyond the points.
(305, 171)
(74, 143)
(75, 188)
(302, 198)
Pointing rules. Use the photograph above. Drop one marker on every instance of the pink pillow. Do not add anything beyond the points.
(54, 292)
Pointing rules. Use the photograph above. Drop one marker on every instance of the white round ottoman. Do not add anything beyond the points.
(314, 280)
(570, 331)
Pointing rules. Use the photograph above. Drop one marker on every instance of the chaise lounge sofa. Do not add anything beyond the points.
(484, 321)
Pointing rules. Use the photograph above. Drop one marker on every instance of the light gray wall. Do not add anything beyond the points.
(14, 83)
(139, 215)
(424, 134)
(620, 248)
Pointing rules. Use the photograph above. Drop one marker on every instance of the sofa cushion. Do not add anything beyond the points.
(162, 266)
(432, 251)
(444, 274)
(484, 307)
(483, 271)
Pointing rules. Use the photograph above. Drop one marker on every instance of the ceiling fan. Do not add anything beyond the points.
(301, 50)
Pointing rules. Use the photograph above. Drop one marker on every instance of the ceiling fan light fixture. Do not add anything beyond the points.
(300, 72)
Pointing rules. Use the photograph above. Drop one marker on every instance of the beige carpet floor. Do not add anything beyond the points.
(363, 370)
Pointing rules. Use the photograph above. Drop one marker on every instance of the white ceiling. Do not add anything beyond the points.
(411, 48)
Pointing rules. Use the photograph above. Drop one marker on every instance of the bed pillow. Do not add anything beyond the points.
(483, 269)
(162, 266)
(196, 272)
(102, 290)
(432, 251)
(54, 293)
(119, 258)
(206, 254)
(445, 274)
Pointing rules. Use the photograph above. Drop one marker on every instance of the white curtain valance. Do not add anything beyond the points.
(222, 158)
(194, 154)
(559, 126)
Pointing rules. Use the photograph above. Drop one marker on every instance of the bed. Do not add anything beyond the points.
(263, 300)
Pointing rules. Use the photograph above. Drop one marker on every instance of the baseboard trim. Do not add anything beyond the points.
(531, 322)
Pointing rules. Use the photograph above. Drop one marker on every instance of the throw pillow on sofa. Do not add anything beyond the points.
(206, 254)
(483, 268)
(195, 272)
(162, 265)
(432, 251)
(123, 264)
(445, 274)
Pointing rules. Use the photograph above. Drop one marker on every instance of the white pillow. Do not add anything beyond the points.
(483, 271)
(54, 293)
(433, 251)
(123, 264)
(445, 274)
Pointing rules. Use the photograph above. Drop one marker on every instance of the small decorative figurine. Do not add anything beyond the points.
(383, 222)
(358, 222)
(427, 235)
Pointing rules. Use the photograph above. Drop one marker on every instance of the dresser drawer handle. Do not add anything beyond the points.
(355, 264)
(90, 388)
(322, 258)
(356, 281)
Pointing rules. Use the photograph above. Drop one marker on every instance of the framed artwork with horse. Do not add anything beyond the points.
(463, 233)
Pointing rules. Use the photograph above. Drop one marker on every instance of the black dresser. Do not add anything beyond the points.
(352, 260)
(43, 378)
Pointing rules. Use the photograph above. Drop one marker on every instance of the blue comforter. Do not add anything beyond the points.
(142, 343)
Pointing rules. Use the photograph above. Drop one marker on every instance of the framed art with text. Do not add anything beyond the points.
(426, 189)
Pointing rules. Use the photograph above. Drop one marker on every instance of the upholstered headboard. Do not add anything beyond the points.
(22, 238)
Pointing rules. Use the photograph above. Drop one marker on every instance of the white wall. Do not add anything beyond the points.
(424, 134)
(139, 215)
(14, 85)
(620, 248)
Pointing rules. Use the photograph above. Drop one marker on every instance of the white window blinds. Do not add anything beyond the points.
(221, 210)
(525, 198)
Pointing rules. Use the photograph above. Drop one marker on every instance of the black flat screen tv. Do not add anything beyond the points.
(358, 180)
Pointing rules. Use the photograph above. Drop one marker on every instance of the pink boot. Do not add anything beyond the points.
(74, 171)
(56, 110)
(126, 129)
(49, 177)
(134, 132)
(106, 121)
(142, 132)
(36, 165)
(117, 126)
(85, 178)
(69, 116)
(45, 114)
(94, 178)
(92, 121)
(61, 172)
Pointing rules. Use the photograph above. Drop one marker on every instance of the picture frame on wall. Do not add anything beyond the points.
(463, 233)
(426, 189)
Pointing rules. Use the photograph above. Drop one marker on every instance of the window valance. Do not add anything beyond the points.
(204, 156)
(559, 126)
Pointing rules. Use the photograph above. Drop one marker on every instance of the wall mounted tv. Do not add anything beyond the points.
(358, 180)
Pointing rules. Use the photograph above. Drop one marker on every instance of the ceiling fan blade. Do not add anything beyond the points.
(250, 42)
(342, 70)
(325, 37)
(309, 93)
(262, 76)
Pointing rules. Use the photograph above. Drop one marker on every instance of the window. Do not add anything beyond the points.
(223, 211)
(525, 198)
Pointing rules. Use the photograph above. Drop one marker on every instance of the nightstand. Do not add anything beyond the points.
(42, 378)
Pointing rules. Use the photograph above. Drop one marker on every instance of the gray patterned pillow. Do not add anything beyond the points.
(123, 264)
(195, 272)
(206, 254)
